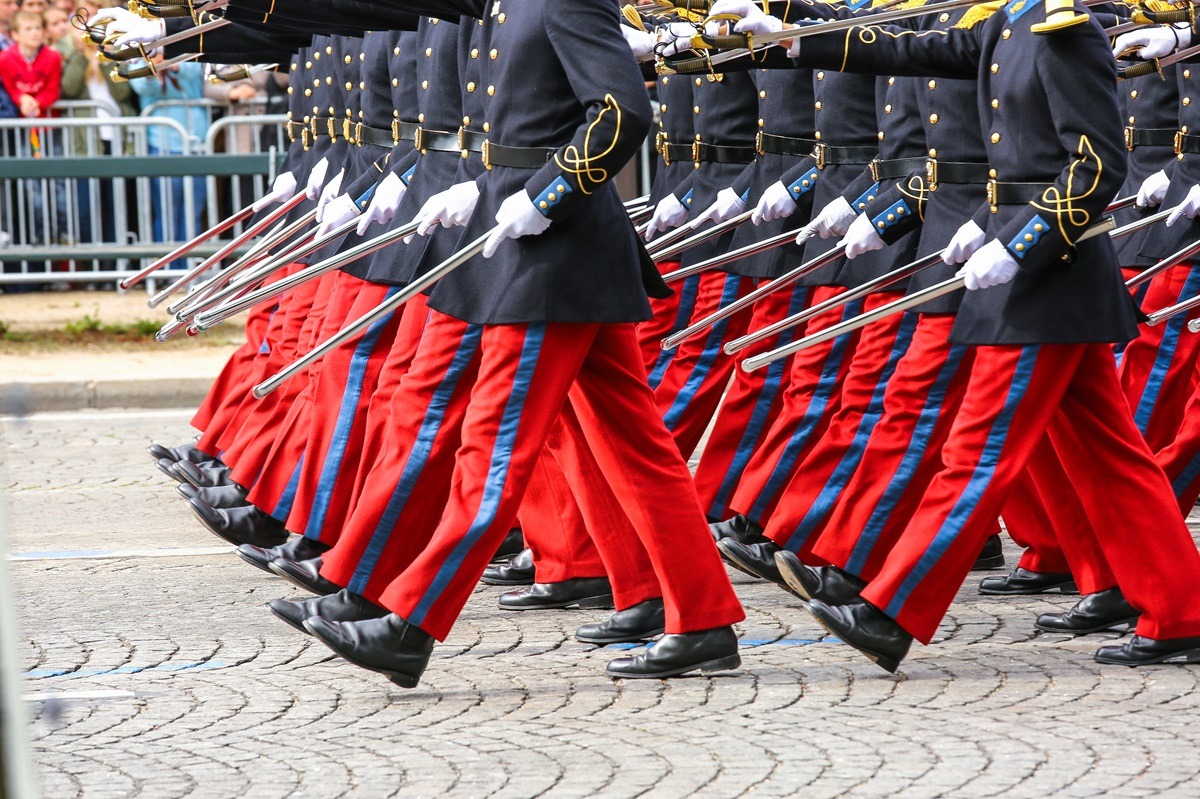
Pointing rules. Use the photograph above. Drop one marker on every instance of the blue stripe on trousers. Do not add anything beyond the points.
(283, 507)
(832, 489)
(821, 397)
(336, 455)
(907, 470)
(687, 306)
(1187, 476)
(704, 364)
(415, 463)
(759, 418)
(980, 479)
(496, 481)
(1164, 356)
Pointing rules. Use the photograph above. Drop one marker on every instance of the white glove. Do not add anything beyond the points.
(331, 190)
(726, 206)
(963, 244)
(337, 212)
(450, 208)
(775, 203)
(284, 188)
(640, 42)
(677, 37)
(669, 213)
(1153, 189)
(316, 179)
(516, 217)
(1154, 42)
(1189, 207)
(834, 219)
(384, 202)
(135, 29)
(861, 237)
(990, 266)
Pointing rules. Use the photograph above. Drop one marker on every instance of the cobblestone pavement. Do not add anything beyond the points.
(175, 681)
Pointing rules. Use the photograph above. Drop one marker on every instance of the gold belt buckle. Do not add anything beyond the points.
(758, 143)
(419, 140)
(931, 173)
(486, 153)
(347, 126)
(1177, 145)
(819, 153)
(696, 153)
(312, 126)
(395, 132)
(991, 194)
(331, 123)
(1129, 138)
(660, 138)
(304, 138)
(874, 167)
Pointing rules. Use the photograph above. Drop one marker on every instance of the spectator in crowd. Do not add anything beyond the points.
(8, 9)
(168, 195)
(66, 5)
(58, 25)
(35, 6)
(30, 71)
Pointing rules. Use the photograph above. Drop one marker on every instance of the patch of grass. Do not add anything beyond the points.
(87, 326)
(4, 328)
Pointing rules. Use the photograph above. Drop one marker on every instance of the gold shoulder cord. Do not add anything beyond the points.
(580, 165)
(1054, 202)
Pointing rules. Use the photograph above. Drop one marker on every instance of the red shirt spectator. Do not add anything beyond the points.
(30, 71)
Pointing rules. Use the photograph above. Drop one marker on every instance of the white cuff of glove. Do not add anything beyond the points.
(338, 211)
(316, 179)
(668, 214)
(516, 217)
(963, 244)
(450, 208)
(1189, 207)
(1153, 189)
(775, 203)
(283, 188)
(834, 219)
(862, 238)
(991, 265)
(384, 202)
(726, 206)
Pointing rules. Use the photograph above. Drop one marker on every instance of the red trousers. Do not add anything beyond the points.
(1181, 458)
(751, 404)
(525, 373)
(669, 315)
(809, 402)
(699, 371)
(1158, 367)
(1015, 395)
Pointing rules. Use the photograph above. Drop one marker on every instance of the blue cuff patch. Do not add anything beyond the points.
(855, 5)
(407, 176)
(552, 195)
(745, 196)
(894, 215)
(864, 198)
(1017, 8)
(804, 183)
(1029, 236)
(686, 199)
(362, 202)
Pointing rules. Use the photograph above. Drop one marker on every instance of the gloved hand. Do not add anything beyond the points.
(834, 219)
(517, 216)
(1189, 207)
(726, 206)
(677, 37)
(861, 237)
(1153, 189)
(283, 188)
(331, 190)
(963, 244)
(384, 202)
(450, 208)
(668, 214)
(640, 42)
(753, 19)
(337, 212)
(316, 179)
(1154, 42)
(135, 29)
(990, 266)
(775, 203)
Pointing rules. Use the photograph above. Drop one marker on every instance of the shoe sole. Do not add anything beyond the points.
(1102, 628)
(885, 662)
(1060, 588)
(603, 602)
(650, 635)
(737, 563)
(506, 583)
(256, 564)
(275, 570)
(792, 583)
(728, 663)
(398, 678)
(1188, 656)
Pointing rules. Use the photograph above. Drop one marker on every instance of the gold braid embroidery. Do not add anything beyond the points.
(916, 190)
(1063, 207)
(571, 162)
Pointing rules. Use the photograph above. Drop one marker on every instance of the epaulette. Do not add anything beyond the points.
(979, 13)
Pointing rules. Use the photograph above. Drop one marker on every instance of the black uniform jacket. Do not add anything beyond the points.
(1184, 168)
(557, 76)
(1049, 112)
(1151, 108)
(675, 134)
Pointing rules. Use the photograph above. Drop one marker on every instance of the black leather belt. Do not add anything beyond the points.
(1014, 193)
(892, 168)
(1149, 137)
(380, 137)
(323, 126)
(516, 157)
(827, 155)
(783, 145)
(720, 154)
(470, 140)
(1186, 143)
(672, 153)
(937, 171)
(442, 141)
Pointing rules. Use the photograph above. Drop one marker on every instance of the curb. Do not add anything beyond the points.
(39, 396)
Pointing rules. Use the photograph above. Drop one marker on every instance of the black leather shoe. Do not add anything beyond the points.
(224, 497)
(299, 548)
(866, 628)
(673, 655)
(518, 571)
(1141, 651)
(512, 545)
(738, 528)
(244, 525)
(1020, 582)
(1095, 613)
(582, 592)
(342, 606)
(184, 452)
(388, 645)
(991, 556)
(167, 467)
(304, 574)
(755, 557)
(204, 475)
(641, 622)
(829, 584)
